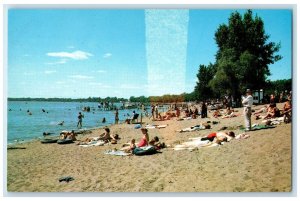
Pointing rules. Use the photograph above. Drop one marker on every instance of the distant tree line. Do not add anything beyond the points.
(89, 99)
(272, 87)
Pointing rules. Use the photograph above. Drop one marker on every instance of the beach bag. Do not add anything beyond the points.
(138, 126)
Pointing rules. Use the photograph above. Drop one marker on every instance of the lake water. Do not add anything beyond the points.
(24, 127)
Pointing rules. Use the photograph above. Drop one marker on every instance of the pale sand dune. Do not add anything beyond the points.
(261, 163)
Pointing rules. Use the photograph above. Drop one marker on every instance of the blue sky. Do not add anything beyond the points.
(123, 53)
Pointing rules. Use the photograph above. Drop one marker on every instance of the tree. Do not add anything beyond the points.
(202, 89)
(243, 55)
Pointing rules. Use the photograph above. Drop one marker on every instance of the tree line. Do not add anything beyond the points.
(272, 87)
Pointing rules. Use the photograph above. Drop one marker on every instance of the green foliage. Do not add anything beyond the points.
(202, 90)
(140, 99)
(242, 59)
(278, 86)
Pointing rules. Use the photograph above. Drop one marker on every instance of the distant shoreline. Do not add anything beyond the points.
(62, 99)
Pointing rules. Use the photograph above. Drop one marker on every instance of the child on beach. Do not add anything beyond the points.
(131, 147)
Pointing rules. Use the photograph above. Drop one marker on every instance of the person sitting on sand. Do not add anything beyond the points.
(217, 113)
(187, 113)
(272, 112)
(107, 136)
(219, 137)
(145, 139)
(68, 136)
(163, 118)
(156, 143)
(287, 111)
(229, 113)
(131, 147)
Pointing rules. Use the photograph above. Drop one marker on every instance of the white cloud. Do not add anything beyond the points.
(81, 77)
(60, 82)
(50, 71)
(101, 71)
(62, 61)
(107, 55)
(76, 55)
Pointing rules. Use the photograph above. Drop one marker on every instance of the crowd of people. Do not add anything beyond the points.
(189, 111)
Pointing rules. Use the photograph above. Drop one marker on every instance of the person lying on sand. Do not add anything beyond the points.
(218, 137)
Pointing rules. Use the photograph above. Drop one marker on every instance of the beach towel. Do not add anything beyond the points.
(194, 144)
(155, 126)
(161, 126)
(275, 121)
(117, 153)
(93, 143)
(258, 127)
(192, 128)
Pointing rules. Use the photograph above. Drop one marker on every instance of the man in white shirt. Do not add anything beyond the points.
(247, 103)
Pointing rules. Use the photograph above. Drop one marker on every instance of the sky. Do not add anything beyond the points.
(77, 53)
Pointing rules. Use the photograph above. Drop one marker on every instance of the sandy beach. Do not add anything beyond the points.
(260, 163)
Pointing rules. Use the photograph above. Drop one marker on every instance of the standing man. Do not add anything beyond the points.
(247, 103)
(117, 116)
(156, 111)
(80, 116)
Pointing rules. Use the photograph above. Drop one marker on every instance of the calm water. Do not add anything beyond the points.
(23, 127)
